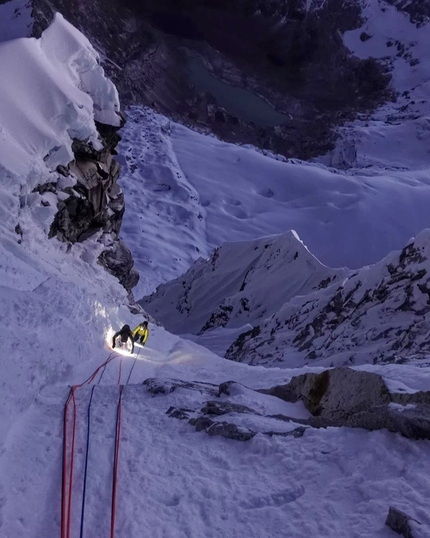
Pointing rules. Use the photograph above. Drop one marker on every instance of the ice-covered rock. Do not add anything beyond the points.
(59, 122)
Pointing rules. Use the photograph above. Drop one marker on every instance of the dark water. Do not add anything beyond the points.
(244, 104)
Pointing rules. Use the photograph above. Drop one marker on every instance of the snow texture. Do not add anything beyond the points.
(54, 91)
(200, 192)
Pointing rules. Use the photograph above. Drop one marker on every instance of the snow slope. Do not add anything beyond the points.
(54, 91)
(176, 482)
(49, 291)
(241, 283)
(199, 192)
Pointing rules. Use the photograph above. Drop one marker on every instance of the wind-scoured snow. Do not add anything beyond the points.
(53, 92)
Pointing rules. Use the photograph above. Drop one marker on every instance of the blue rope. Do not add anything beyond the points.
(81, 534)
(103, 371)
(131, 369)
(115, 455)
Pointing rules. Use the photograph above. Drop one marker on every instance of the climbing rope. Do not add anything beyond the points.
(66, 502)
(115, 462)
(132, 367)
(84, 488)
(68, 462)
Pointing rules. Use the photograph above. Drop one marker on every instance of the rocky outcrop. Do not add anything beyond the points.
(294, 65)
(340, 397)
(229, 430)
(380, 313)
(90, 201)
(405, 525)
(358, 399)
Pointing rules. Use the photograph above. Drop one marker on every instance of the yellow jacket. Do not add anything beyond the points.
(142, 332)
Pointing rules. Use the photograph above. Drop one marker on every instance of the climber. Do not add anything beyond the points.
(141, 333)
(125, 333)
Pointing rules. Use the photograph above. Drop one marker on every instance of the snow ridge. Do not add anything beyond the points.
(380, 313)
(242, 282)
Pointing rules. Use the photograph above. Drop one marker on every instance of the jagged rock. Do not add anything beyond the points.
(345, 397)
(337, 393)
(166, 386)
(233, 431)
(224, 429)
(94, 203)
(400, 522)
(119, 262)
(296, 433)
(63, 170)
(222, 408)
(181, 414)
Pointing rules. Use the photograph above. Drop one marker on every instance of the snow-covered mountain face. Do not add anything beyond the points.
(58, 121)
(379, 314)
(226, 66)
(241, 283)
(299, 311)
(397, 134)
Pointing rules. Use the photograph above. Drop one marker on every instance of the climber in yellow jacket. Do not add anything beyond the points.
(141, 333)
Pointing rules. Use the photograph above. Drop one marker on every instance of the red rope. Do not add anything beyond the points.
(64, 485)
(91, 378)
(66, 508)
(116, 460)
(67, 474)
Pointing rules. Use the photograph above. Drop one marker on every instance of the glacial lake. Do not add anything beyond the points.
(237, 101)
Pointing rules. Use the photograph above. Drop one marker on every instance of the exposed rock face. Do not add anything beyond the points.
(294, 64)
(380, 314)
(337, 393)
(90, 201)
(334, 398)
(345, 397)
(404, 525)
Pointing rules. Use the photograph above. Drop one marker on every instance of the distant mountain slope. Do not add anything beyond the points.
(188, 193)
(241, 283)
(397, 134)
(300, 311)
(380, 313)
